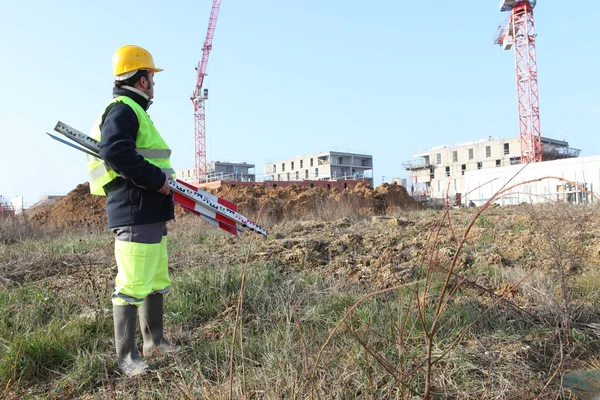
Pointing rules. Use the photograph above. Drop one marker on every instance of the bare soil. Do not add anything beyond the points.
(81, 209)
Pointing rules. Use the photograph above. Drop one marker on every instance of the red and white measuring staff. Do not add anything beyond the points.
(206, 215)
(224, 223)
(203, 198)
(211, 208)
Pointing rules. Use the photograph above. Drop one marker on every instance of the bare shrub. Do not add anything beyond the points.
(14, 229)
(331, 209)
(562, 228)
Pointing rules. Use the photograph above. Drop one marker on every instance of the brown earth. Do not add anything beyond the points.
(310, 231)
(385, 251)
(79, 209)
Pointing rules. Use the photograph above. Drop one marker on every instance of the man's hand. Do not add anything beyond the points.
(165, 189)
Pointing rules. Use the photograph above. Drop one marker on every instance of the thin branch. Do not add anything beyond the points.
(359, 302)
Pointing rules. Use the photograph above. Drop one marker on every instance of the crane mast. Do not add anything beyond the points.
(519, 31)
(200, 95)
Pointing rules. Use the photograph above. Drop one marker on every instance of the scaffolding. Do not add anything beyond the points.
(6, 209)
(554, 191)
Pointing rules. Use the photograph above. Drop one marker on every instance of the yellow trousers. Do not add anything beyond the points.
(143, 269)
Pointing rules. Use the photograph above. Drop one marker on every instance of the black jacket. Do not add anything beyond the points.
(132, 199)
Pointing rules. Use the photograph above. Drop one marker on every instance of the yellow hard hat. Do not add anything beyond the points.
(128, 59)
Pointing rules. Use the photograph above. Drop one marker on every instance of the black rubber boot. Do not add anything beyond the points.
(151, 323)
(128, 358)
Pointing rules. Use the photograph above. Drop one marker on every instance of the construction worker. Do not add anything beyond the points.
(134, 174)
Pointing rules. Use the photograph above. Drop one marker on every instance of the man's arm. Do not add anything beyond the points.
(117, 149)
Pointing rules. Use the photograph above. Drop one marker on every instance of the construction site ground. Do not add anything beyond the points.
(529, 274)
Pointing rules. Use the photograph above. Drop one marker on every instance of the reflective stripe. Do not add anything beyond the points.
(163, 291)
(154, 153)
(127, 298)
(123, 299)
(102, 169)
(99, 171)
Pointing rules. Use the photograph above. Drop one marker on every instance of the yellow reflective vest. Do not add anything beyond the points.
(149, 144)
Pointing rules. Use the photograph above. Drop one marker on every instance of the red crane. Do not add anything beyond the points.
(519, 31)
(199, 97)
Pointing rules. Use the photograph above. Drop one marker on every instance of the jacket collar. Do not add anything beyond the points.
(136, 95)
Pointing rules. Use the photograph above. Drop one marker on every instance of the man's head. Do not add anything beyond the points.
(134, 66)
(142, 80)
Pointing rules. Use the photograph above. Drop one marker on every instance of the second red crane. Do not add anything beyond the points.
(200, 95)
(519, 31)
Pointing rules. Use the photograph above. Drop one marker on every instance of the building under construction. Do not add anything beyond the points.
(529, 168)
(324, 166)
(220, 171)
(444, 170)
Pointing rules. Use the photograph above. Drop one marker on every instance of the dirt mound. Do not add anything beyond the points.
(40, 207)
(77, 209)
(393, 198)
(276, 204)
(80, 209)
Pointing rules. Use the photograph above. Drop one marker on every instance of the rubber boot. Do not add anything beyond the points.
(128, 358)
(151, 322)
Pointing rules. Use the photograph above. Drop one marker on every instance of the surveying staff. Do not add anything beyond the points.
(134, 175)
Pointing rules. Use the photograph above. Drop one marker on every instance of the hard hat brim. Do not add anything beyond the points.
(129, 74)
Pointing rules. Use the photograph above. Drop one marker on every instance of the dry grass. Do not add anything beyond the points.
(459, 315)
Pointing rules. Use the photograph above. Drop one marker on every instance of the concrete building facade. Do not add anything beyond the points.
(440, 171)
(221, 170)
(328, 166)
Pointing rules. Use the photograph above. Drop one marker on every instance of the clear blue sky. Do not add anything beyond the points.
(386, 78)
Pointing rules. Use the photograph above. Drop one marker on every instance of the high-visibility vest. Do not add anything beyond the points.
(149, 144)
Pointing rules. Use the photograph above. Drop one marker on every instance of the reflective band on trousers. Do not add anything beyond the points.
(127, 299)
(120, 299)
